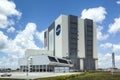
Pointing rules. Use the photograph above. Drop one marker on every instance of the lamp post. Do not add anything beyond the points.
(29, 63)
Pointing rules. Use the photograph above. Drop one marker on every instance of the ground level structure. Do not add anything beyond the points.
(44, 63)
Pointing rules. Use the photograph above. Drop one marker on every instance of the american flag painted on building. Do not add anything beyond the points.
(45, 39)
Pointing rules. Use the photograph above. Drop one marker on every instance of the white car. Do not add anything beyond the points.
(6, 75)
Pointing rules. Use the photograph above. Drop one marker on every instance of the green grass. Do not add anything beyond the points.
(83, 76)
(87, 76)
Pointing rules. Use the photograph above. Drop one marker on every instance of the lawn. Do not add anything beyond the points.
(87, 76)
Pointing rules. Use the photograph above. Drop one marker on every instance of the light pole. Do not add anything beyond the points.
(27, 68)
(29, 63)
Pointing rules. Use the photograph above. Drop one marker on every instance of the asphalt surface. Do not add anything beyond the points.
(31, 75)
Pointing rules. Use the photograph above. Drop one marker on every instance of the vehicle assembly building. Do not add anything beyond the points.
(70, 39)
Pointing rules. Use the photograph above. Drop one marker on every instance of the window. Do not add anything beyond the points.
(52, 59)
(70, 62)
(62, 61)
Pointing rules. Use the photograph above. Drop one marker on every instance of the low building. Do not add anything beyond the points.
(43, 63)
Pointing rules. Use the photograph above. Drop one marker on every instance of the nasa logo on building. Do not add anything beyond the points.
(58, 30)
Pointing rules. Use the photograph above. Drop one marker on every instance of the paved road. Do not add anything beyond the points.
(23, 75)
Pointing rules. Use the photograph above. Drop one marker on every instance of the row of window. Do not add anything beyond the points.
(37, 68)
(73, 32)
(73, 22)
(53, 59)
(89, 35)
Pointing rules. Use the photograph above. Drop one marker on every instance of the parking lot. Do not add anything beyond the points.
(31, 75)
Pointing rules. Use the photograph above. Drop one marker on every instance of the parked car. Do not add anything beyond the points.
(6, 75)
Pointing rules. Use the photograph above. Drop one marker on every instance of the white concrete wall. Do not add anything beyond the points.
(37, 52)
(64, 24)
(58, 39)
(51, 40)
(81, 39)
(40, 60)
(61, 41)
(96, 64)
(81, 64)
(36, 60)
(95, 54)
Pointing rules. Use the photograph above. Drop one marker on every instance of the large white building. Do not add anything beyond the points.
(72, 38)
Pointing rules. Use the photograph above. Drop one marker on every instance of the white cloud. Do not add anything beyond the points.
(116, 48)
(25, 39)
(115, 27)
(105, 60)
(11, 29)
(8, 62)
(100, 35)
(97, 14)
(7, 9)
(15, 48)
(118, 2)
(3, 40)
(40, 36)
(106, 45)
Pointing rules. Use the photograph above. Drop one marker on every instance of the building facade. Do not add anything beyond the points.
(43, 63)
(73, 38)
(70, 44)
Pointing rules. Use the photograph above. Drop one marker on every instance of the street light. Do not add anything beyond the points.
(29, 63)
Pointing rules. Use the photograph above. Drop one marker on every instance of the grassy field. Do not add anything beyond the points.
(87, 76)
(83, 76)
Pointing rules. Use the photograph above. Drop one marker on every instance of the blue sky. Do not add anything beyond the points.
(22, 24)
